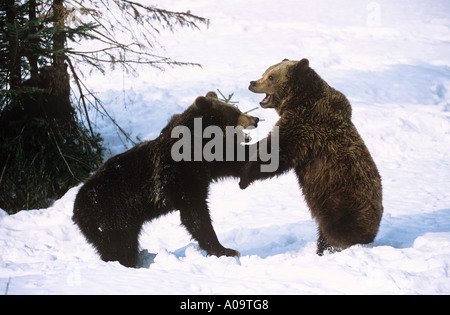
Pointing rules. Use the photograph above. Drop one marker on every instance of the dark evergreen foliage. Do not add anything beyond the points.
(47, 142)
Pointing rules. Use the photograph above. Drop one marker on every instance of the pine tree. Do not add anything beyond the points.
(47, 142)
(44, 150)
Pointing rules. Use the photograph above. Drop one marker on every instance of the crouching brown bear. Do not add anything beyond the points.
(317, 139)
(146, 182)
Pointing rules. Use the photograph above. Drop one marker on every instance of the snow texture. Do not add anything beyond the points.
(391, 59)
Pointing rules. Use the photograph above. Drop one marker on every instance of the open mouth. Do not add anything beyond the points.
(266, 100)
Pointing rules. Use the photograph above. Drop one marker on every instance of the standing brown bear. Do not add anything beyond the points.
(317, 138)
(151, 180)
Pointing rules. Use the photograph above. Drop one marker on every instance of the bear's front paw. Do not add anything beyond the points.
(231, 253)
(244, 176)
(243, 183)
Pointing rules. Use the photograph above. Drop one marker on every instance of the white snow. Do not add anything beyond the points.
(391, 58)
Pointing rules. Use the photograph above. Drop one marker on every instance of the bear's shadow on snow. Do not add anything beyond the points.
(146, 259)
(262, 242)
(275, 239)
(396, 231)
(402, 231)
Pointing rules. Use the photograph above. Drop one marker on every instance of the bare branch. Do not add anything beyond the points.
(139, 22)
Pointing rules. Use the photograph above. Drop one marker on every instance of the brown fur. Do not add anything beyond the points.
(335, 170)
(145, 182)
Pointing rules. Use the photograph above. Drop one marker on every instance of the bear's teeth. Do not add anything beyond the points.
(266, 100)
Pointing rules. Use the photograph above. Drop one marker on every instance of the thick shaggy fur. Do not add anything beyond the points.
(145, 182)
(335, 170)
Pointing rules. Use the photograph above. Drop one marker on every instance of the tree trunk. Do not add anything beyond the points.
(14, 68)
(59, 38)
(33, 57)
(60, 81)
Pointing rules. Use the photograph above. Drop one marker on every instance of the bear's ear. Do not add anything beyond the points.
(202, 104)
(304, 63)
(301, 66)
(285, 59)
(211, 94)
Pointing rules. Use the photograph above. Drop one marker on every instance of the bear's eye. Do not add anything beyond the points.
(270, 77)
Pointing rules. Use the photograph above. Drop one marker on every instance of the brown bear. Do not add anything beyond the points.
(151, 180)
(317, 139)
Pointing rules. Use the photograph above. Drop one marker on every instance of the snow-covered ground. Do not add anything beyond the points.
(391, 58)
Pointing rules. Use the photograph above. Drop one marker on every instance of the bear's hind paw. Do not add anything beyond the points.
(224, 252)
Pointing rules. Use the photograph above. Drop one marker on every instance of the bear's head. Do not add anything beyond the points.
(285, 80)
(209, 130)
(217, 113)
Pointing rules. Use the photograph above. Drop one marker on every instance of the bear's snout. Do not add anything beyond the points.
(258, 86)
(254, 121)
